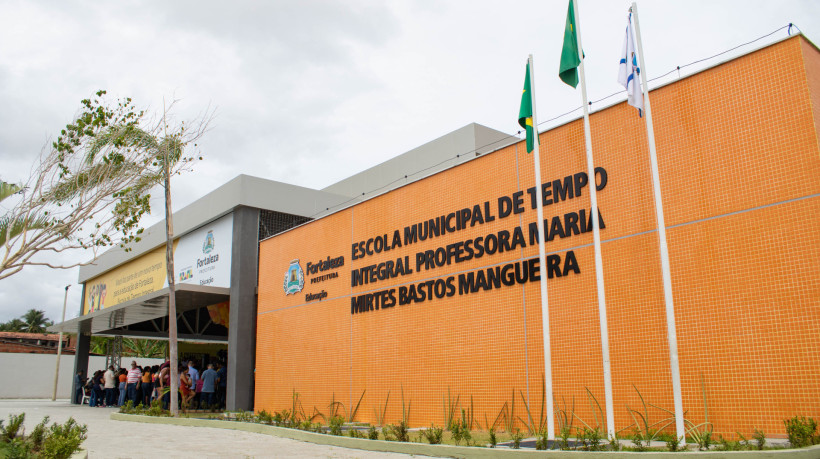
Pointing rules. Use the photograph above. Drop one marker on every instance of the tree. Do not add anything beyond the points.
(14, 325)
(35, 321)
(144, 347)
(90, 188)
(165, 147)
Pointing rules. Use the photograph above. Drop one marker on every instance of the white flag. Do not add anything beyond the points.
(629, 73)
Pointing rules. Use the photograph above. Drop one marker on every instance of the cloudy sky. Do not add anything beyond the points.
(310, 92)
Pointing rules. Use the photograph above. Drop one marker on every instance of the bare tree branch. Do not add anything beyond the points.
(91, 186)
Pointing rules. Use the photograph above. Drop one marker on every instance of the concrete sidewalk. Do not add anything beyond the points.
(115, 439)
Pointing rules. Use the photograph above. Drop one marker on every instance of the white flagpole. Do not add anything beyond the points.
(680, 428)
(542, 257)
(596, 237)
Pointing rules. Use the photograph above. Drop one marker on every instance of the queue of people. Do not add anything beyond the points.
(142, 385)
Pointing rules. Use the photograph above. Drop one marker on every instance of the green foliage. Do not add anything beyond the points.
(460, 430)
(397, 432)
(38, 435)
(644, 431)
(614, 444)
(517, 436)
(450, 405)
(372, 433)
(729, 445)
(704, 440)
(760, 439)
(14, 325)
(380, 413)
(13, 429)
(18, 449)
(128, 408)
(244, 416)
(144, 348)
(433, 434)
(801, 431)
(405, 410)
(263, 417)
(335, 425)
(58, 441)
(63, 440)
(355, 410)
(355, 433)
(305, 425)
(33, 321)
(673, 444)
(493, 437)
(590, 438)
(541, 442)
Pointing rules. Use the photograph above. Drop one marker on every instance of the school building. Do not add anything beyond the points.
(398, 284)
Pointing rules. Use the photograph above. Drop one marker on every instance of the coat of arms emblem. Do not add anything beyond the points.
(294, 278)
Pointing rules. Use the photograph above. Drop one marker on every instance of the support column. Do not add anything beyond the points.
(242, 321)
(80, 359)
(81, 350)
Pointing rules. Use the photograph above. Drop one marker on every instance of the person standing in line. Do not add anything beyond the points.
(109, 385)
(208, 386)
(185, 388)
(147, 386)
(134, 375)
(122, 379)
(222, 384)
(155, 382)
(193, 373)
(79, 382)
(96, 390)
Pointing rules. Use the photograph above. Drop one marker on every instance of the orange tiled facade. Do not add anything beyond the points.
(740, 177)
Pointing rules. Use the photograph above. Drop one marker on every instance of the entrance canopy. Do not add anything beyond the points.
(118, 319)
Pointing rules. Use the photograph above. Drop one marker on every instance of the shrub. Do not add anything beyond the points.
(541, 442)
(397, 432)
(517, 436)
(673, 443)
(373, 433)
(433, 435)
(335, 425)
(263, 417)
(63, 440)
(11, 431)
(128, 408)
(760, 439)
(493, 438)
(801, 431)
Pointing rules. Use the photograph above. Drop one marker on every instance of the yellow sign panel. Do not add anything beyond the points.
(142, 276)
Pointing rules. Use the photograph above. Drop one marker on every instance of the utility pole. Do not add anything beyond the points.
(60, 349)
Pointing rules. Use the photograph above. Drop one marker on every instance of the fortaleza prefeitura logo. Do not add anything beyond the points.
(208, 245)
(294, 278)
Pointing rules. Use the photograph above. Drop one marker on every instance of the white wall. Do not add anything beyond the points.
(32, 375)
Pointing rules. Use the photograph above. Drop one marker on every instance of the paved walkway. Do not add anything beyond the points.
(117, 439)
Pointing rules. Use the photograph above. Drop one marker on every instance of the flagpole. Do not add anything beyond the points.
(596, 237)
(542, 258)
(671, 329)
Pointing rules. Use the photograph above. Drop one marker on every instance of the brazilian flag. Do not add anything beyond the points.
(570, 57)
(525, 113)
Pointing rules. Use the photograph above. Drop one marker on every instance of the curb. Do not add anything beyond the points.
(812, 452)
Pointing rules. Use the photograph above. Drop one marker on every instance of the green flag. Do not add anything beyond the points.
(525, 112)
(570, 58)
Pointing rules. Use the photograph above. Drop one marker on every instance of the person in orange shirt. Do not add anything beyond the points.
(147, 385)
(122, 379)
